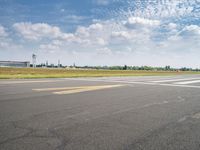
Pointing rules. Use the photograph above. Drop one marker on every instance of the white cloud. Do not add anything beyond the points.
(62, 10)
(3, 32)
(101, 41)
(96, 26)
(104, 51)
(122, 35)
(37, 31)
(105, 2)
(161, 8)
(73, 19)
(82, 32)
(6, 42)
(190, 32)
(49, 47)
(172, 26)
(40, 31)
(94, 34)
(138, 21)
(102, 2)
(192, 29)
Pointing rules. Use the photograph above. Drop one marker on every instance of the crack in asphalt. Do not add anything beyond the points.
(51, 133)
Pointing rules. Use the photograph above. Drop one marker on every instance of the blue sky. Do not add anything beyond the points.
(102, 32)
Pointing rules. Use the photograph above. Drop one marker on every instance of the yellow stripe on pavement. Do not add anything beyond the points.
(78, 89)
(86, 89)
(56, 89)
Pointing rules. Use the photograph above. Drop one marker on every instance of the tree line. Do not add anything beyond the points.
(148, 68)
(125, 67)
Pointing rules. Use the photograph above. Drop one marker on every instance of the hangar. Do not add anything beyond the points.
(14, 64)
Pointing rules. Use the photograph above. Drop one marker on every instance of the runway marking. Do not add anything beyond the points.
(172, 80)
(142, 83)
(86, 89)
(196, 116)
(56, 89)
(188, 82)
(183, 119)
(71, 90)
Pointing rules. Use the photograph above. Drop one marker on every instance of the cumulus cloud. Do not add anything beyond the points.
(172, 26)
(38, 31)
(5, 41)
(138, 21)
(94, 34)
(122, 35)
(54, 45)
(96, 26)
(104, 51)
(3, 32)
(192, 30)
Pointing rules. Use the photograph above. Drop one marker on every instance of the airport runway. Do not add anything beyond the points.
(114, 113)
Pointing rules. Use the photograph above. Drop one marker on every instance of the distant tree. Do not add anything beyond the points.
(125, 67)
(167, 67)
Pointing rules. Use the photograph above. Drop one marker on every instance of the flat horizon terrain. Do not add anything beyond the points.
(107, 113)
(26, 73)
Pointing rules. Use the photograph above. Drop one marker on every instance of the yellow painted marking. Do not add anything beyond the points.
(71, 90)
(86, 89)
(56, 89)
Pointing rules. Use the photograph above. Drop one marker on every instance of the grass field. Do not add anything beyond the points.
(24, 73)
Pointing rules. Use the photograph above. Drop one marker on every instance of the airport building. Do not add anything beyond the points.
(20, 64)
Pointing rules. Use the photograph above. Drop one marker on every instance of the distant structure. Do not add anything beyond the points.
(59, 64)
(47, 63)
(20, 64)
(34, 60)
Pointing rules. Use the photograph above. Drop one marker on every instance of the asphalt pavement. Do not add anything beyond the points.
(108, 113)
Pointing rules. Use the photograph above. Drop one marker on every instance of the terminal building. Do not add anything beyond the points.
(20, 64)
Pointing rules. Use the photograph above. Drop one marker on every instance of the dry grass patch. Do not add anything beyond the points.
(14, 73)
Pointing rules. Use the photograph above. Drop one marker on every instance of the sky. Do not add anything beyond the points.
(102, 32)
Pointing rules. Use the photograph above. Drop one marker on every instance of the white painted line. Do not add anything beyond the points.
(182, 119)
(172, 80)
(143, 83)
(196, 116)
(176, 85)
(188, 82)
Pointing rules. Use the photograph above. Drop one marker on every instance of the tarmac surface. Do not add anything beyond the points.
(113, 113)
